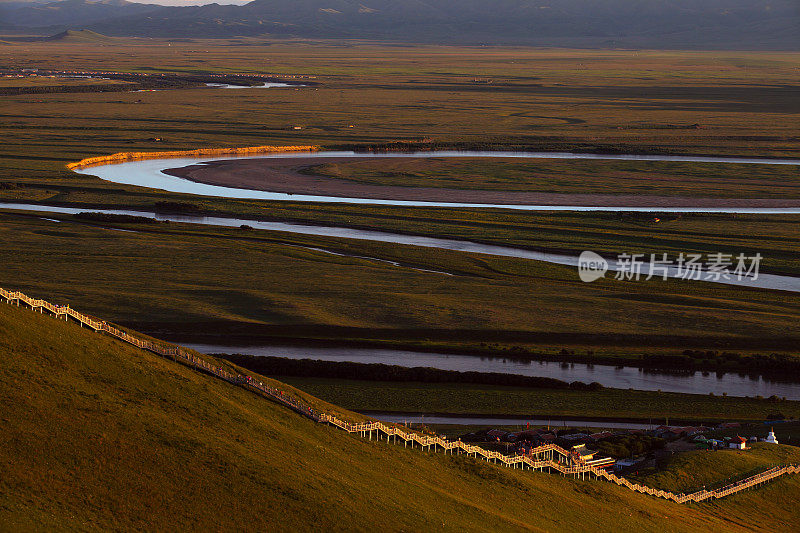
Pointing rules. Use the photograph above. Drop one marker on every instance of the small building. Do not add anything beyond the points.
(573, 437)
(626, 465)
(583, 455)
(771, 437)
(529, 435)
(582, 452)
(738, 443)
(595, 437)
(498, 435)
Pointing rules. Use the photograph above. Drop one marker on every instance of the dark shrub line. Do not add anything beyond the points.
(282, 366)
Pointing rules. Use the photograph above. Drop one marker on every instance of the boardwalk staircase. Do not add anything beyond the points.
(548, 458)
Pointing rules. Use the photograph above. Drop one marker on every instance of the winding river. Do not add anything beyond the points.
(149, 173)
(764, 281)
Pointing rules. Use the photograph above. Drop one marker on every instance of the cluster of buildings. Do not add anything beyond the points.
(738, 442)
(578, 443)
(523, 442)
(534, 437)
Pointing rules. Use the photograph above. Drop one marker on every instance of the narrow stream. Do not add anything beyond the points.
(764, 281)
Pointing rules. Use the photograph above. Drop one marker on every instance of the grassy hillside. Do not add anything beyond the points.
(691, 471)
(98, 435)
(79, 36)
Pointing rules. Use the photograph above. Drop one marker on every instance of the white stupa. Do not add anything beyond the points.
(771, 437)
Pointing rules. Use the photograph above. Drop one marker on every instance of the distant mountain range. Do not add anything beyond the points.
(69, 12)
(714, 24)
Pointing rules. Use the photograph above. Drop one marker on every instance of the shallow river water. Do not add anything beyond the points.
(148, 173)
(764, 281)
(608, 376)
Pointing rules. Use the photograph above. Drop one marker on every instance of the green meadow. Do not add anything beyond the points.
(487, 400)
(657, 178)
(197, 282)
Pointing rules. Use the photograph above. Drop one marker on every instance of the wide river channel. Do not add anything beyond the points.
(609, 376)
(149, 173)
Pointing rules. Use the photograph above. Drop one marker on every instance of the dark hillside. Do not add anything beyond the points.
(97, 435)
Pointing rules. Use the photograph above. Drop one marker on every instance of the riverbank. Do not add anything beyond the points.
(298, 175)
(123, 157)
(511, 352)
(231, 183)
(536, 306)
(446, 399)
(483, 421)
(409, 366)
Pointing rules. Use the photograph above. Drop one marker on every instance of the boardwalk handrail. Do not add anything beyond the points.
(550, 457)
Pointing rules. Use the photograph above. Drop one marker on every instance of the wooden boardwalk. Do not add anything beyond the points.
(550, 457)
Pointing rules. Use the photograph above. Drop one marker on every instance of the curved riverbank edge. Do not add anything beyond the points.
(122, 157)
(297, 176)
(154, 174)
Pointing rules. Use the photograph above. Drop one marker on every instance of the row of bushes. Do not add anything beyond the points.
(623, 446)
(111, 218)
(774, 363)
(282, 366)
(49, 89)
(200, 152)
(177, 207)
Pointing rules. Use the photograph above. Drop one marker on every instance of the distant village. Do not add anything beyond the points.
(624, 451)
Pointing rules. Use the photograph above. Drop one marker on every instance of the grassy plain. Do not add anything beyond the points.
(53, 81)
(390, 93)
(465, 399)
(97, 435)
(212, 283)
(656, 178)
(638, 101)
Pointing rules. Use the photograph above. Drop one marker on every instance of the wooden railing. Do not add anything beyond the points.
(549, 457)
